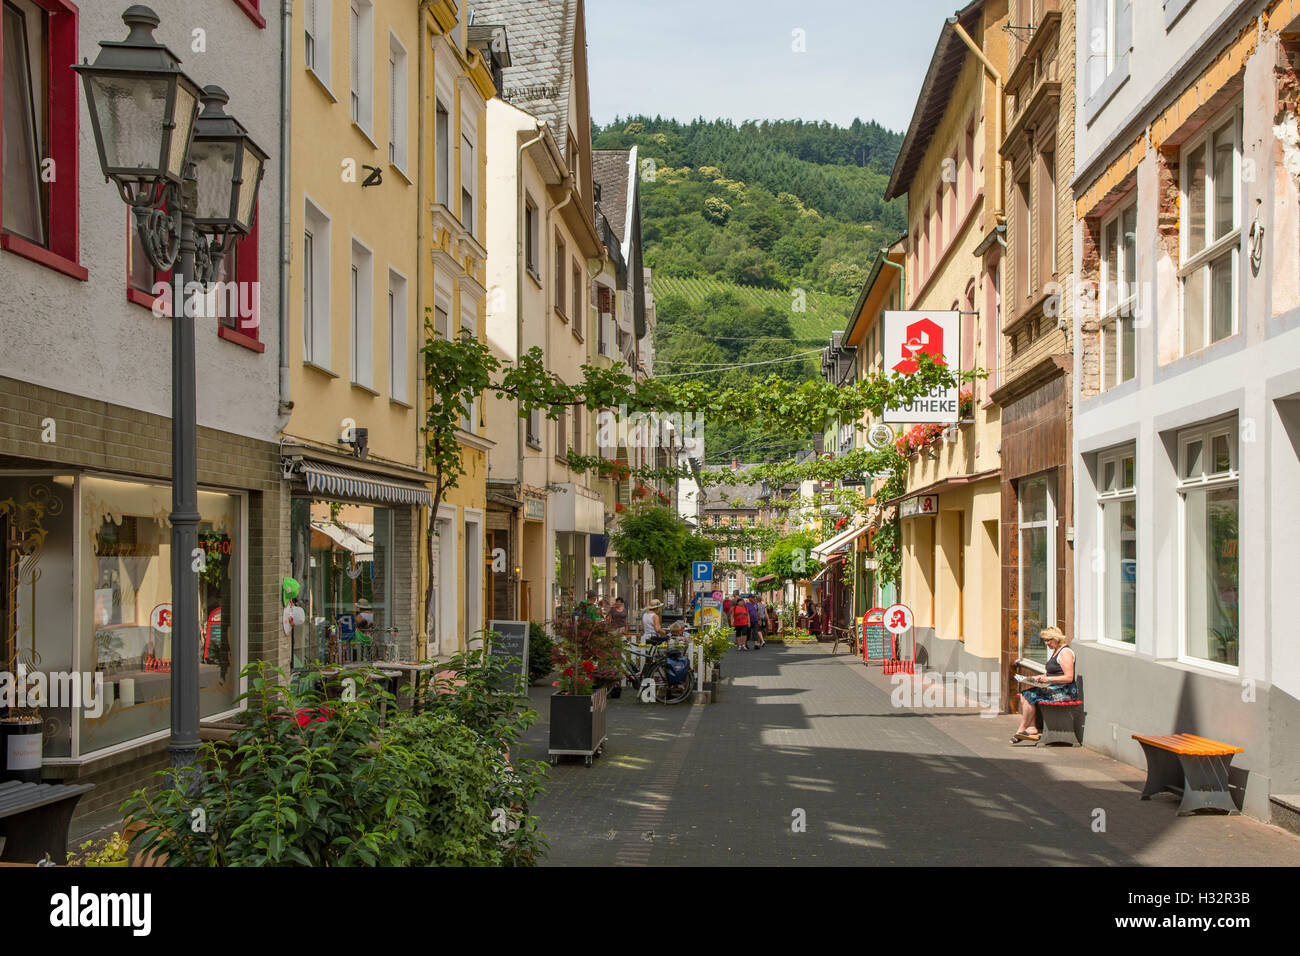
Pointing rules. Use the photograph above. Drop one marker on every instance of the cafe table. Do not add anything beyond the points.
(413, 672)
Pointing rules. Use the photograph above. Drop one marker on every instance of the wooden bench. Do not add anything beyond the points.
(36, 818)
(1195, 766)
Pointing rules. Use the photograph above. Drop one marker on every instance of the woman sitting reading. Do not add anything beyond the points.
(1055, 686)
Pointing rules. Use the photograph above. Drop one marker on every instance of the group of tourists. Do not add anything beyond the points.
(752, 619)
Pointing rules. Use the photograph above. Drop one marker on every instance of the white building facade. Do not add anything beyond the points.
(1187, 381)
(85, 400)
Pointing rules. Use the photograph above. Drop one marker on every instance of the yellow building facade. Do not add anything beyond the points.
(456, 82)
(949, 170)
(385, 223)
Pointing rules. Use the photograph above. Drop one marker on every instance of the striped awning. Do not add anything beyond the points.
(348, 483)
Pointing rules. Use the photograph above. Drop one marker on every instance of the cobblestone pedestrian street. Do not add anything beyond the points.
(799, 735)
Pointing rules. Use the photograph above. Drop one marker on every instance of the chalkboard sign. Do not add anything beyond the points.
(510, 640)
(873, 639)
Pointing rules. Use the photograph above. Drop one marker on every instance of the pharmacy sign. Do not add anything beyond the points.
(907, 334)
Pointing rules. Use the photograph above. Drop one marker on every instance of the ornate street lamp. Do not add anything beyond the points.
(229, 168)
(192, 182)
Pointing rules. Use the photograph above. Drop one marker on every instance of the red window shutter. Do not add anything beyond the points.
(253, 9)
(246, 330)
(63, 249)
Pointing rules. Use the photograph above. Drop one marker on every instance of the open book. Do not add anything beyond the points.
(1031, 678)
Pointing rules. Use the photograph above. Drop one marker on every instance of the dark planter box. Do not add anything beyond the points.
(577, 724)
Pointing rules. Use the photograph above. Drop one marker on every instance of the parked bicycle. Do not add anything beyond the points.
(667, 670)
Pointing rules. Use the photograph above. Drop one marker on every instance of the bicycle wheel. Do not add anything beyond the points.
(668, 693)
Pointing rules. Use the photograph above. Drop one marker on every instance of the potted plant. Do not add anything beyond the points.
(589, 657)
(21, 744)
(112, 852)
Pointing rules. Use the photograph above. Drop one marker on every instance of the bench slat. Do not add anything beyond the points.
(1189, 744)
(18, 797)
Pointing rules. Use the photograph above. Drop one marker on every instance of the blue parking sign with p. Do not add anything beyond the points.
(702, 571)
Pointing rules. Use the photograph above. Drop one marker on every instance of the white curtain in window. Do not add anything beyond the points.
(23, 212)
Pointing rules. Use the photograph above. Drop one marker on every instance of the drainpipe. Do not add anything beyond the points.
(902, 292)
(999, 211)
(550, 542)
(549, 219)
(520, 266)
(286, 82)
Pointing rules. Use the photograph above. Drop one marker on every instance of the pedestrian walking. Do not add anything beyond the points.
(651, 625)
(760, 632)
(740, 621)
(754, 619)
(618, 616)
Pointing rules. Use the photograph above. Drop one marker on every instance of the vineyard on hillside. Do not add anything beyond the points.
(824, 313)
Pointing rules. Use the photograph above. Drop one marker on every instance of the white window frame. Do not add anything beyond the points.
(316, 39)
(447, 598)
(533, 430)
(361, 308)
(398, 304)
(1125, 307)
(316, 287)
(443, 141)
(731, 555)
(361, 36)
(1114, 55)
(469, 323)
(1048, 524)
(474, 545)
(398, 78)
(1110, 496)
(442, 303)
(532, 237)
(1205, 481)
(468, 143)
(1216, 248)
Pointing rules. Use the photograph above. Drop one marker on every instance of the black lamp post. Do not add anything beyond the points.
(192, 183)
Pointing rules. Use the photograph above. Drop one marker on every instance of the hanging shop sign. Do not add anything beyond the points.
(907, 334)
(920, 505)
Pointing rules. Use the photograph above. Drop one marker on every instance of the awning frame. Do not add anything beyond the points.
(327, 479)
(839, 541)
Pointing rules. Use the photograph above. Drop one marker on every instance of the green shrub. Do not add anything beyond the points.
(479, 693)
(331, 792)
(437, 789)
(540, 649)
(716, 641)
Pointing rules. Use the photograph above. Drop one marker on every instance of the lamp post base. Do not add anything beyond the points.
(183, 759)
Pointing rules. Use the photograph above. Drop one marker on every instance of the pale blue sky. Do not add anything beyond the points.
(735, 58)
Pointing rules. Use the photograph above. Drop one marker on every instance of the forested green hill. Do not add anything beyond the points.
(760, 235)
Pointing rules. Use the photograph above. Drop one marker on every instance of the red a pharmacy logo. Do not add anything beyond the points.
(924, 335)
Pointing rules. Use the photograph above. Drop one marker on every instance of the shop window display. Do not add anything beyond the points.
(126, 606)
(342, 560)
